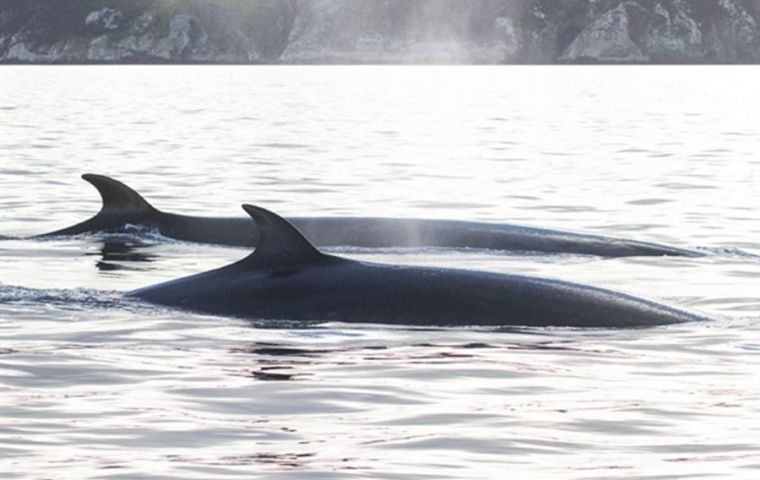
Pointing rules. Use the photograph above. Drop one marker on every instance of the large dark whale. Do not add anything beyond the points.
(287, 278)
(124, 207)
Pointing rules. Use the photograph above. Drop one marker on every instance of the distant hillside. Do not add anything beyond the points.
(379, 31)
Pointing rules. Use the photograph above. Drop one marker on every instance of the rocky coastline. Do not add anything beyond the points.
(380, 31)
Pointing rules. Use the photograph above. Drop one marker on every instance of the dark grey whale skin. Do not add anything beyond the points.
(122, 206)
(287, 278)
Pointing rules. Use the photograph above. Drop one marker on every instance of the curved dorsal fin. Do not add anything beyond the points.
(280, 243)
(117, 197)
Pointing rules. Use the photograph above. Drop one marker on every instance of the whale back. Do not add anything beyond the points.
(287, 277)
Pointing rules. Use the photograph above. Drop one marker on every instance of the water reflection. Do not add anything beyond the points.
(276, 362)
(265, 375)
(288, 460)
(119, 253)
(286, 362)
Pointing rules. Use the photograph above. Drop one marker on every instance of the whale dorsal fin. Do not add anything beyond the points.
(117, 197)
(121, 205)
(280, 243)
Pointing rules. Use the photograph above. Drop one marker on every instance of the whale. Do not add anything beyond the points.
(289, 278)
(123, 209)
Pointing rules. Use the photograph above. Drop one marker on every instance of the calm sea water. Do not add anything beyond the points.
(94, 386)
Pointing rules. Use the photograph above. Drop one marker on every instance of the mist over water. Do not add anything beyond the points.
(98, 386)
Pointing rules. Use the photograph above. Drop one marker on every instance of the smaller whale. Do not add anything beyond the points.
(122, 207)
(288, 278)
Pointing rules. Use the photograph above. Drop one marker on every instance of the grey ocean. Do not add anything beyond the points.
(96, 386)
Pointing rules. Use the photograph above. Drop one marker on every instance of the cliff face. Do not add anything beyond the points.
(380, 31)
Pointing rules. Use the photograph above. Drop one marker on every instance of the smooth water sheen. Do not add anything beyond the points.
(96, 386)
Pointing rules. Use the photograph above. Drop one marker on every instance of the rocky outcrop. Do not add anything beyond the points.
(163, 31)
(607, 39)
(104, 20)
(380, 31)
(669, 32)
